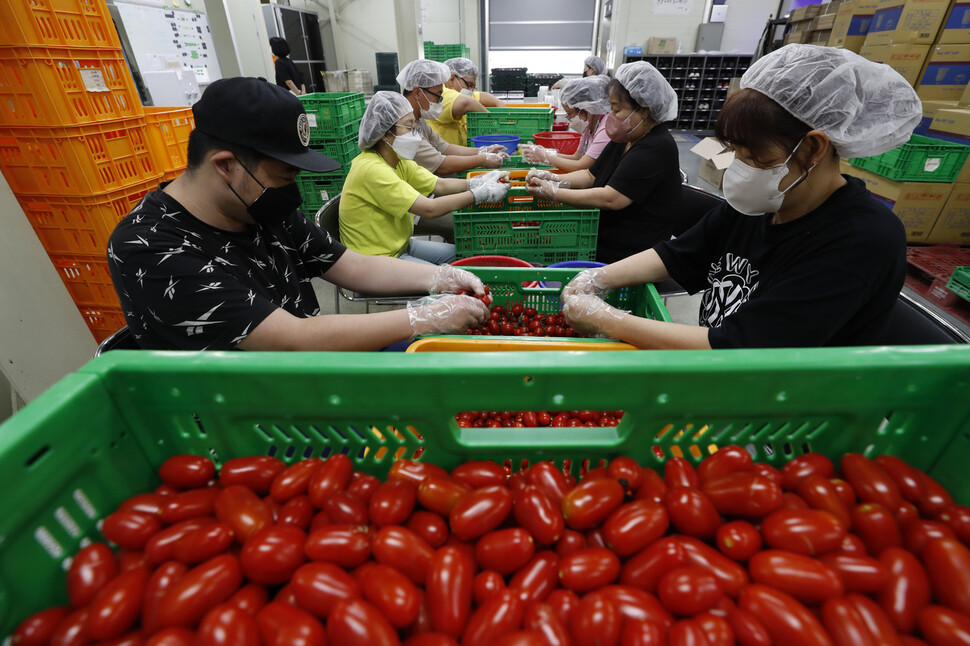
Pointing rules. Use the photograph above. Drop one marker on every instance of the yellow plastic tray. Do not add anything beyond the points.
(513, 344)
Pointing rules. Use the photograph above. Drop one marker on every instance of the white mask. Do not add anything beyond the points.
(578, 124)
(406, 146)
(433, 111)
(754, 191)
(467, 92)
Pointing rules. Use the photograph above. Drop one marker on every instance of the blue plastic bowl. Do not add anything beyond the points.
(511, 142)
(569, 264)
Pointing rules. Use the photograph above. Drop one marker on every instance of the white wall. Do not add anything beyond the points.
(746, 21)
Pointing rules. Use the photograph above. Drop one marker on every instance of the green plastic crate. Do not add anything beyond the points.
(921, 159)
(333, 108)
(317, 188)
(322, 135)
(959, 282)
(98, 435)
(342, 151)
(515, 162)
(523, 122)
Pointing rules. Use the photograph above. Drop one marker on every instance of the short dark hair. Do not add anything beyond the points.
(754, 121)
(279, 46)
(201, 144)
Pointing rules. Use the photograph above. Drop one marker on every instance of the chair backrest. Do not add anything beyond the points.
(911, 323)
(120, 340)
(327, 218)
(695, 203)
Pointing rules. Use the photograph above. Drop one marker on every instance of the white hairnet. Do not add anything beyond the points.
(591, 94)
(423, 73)
(865, 108)
(596, 63)
(649, 89)
(462, 67)
(383, 111)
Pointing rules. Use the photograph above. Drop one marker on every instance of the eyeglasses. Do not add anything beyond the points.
(414, 130)
(436, 96)
(469, 84)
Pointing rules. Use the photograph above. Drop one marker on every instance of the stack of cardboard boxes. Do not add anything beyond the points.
(812, 23)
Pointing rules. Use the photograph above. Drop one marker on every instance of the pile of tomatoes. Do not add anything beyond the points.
(519, 320)
(732, 552)
(526, 223)
(533, 419)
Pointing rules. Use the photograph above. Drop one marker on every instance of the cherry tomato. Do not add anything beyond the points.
(186, 471)
(907, 591)
(430, 639)
(743, 494)
(403, 549)
(160, 582)
(804, 578)
(645, 569)
(441, 494)
(502, 613)
(716, 628)
(944, 626)
(947, 563)
(38, 628)
(449, 588)
(70, 632)
(652, 486)
(228, 625)
(747, 629)
(907, 478)
(429, 526)
(344, 508)
(633, 526)
(480, 473)
(786, 620)
(688, 590)
(563, 602)
(294, 480)
(505, 550)
(243, 511)
(679, 472)
(692, 512)
(172, 637)
(271, 555)
(790, 500)
(550, 481)
(318, 586)
(820, 493)
(875, 620)
(957, 518)
(414, 471)
(296, 512)
(590, 502)
(805, 465)
(485, 584)
(844, 624)
(730, 575)
(390, 592)
(92, 567)
(687, 633)
(256, 472)
(725, 461)
(202, 588)
(541, 618)
(595, 621)
(876, 526)
(250, 598)
(479, 512)
(333, 476)
(589, 569)
(637, 632)
(535, 512)
(185, 505)
(363, 485)
(281, 624)
(626, 471)
(569, 543)
(161, 546)
(537, 578)
(738, 540)
(859, 572)
(345, 545)
(807, 531)
(769, 472)
(130, 529)
(145, 503)
(935, 497)
(203, 543)
(870, 482)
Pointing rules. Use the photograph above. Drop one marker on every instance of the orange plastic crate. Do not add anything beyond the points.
(59, 23)
(103, 321)
(81, 224)
(87, 279)
(43, 86)
(80, 159)
(168, 136)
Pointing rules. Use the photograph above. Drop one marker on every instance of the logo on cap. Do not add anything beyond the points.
(303, 129)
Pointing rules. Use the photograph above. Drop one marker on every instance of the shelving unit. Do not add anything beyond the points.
(701, 82)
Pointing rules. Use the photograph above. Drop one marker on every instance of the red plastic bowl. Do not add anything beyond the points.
(560, 126)
(564, 142)
(495, 261)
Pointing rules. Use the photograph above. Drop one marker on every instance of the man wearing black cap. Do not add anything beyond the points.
(222, 257)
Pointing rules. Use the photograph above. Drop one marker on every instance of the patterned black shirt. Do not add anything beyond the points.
(185, 285)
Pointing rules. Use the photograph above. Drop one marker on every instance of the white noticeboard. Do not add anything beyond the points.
(675, 7)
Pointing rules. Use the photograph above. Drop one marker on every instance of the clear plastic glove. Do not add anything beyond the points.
(545, 189)
(588, 281)
(589, 313)
(444, 314)
(490, 176)
(538, 154)
(535, 173)
(490, 192)
(495, 148)
(450, 279)
(494, 160)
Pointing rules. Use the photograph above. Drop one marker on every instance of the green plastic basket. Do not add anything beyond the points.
(333, 108)
(97, 436)
(515, 162)
(959, 282)
(921, 159)
(322, 135)
(342, 151)
(562, 233)
(317, 188)
(523, 122)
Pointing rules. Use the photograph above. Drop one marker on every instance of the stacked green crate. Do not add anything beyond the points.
(441, 53)
(524, 122)
(334, 126)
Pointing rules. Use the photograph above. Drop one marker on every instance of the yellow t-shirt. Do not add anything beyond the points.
(374, 203)
(454, 131)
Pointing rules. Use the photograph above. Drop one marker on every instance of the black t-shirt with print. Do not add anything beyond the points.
(829, 278)
(649, 175)
(185, 285)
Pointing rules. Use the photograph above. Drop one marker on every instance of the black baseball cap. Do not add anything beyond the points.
(260, 115)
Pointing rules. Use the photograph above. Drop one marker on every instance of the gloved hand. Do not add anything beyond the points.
(490, 176)
(490, 192)
(535, 173)
(589, 313)
(588, 281)
(443, 314)
(545, 189)
(447, 278)
(495, 148)
(494, 160)
(538, 154)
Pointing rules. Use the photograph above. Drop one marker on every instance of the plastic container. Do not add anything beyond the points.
(513, 344)
(57, 23)
(560, 126)
(513, 163)
(322, 135)
(168, 136)
(521, 121)
(41, 86)
(495, 261)
(571, 264)
(959, 282)
(102, 321)
(511, 142)
(318, 188)
(921, 159)
(565, 142)
(88, 280)
(341, 151)
(328, 109)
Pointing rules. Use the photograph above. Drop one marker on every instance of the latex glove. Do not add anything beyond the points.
(446, 278)
(535, 173)
(588, 281)
(494, 160)
(545, 189)
(444, 314)
(589, 313)
(538, 154)
(490, 176)
(495, 148)
(490, 192)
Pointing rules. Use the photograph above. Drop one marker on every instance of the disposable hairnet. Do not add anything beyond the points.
(462, 67)
(865, 108)
(383, 111)
(591, 94)
(423, 73)
(596, 63)
(649, 89)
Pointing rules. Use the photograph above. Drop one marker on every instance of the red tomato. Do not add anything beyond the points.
(790, 500)
(590, 502)
(844, 624)
(480, 473)
(130, 529)
(947, 563)
(957, 518)
(70, 632)
(626, 471)
(876, 526)
(803, 577)
(38, 628)
(563, 602)
(569, 543)
(747, 629)
(769, 472)
(652, 486)
(935, 497)
(160, 582)
(594, 538)
(820, 493)
(92, 567)
(907, 478)
(272, 555)
(687, 633)
(390, 592)
(296, 512)
(870, 482)
(363, 485)
(502, 613)
(145, 503)
(730, 575)
(449, 588)
(115, 609)
(243, 511)
(716, 628)
(876, 621)
(944, 627)
(318, 586)
(202, 588)
(918, 533)
(679, 472)
(281, 624)
(807, 531)
(688, 590)
(738, 540)
(852, 544)
(859, 573)
(344, 508)
(743, 494)
(805, 465)
(486, 583)
(634, 526)
(441, 494)
(403, 549)
(333, 476)
(634, 604)
(294, 480)
(534, 511)
(256, 472)
(550, 481)
(595, 621)
(907, 591)
(414, 471)
(725, 461)
(185, 505)
(504, 550)
(203, 543)
(646, 568)
(786, 620)
(250, 598)
(345, 545)
(430, 639)
(541, 619)
(692, 512)
(187, 471)
(161, 546)
(589, 569)
(228, 625)
(480, 512)
(637, 632)
(429, 526)
(845, 491)
(537, 578)
(520, 637)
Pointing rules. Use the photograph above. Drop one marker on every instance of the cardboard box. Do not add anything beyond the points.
(825, 21)
(956, 26)
(800, 27)
(831, 7)
(930, 109)
(946, 74)
(797, 37)
(917, 204)
(734, 85)
(964, 99)
(804, 13)
(821, 37)
(908, 60)
(662, 46)
(914, 22)
(716, 158)
(813, 24)
(953, 225)
(852, 23)
(953, 124)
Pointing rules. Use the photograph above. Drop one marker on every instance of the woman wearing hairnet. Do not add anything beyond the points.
(585, 101)
(592, 66)
(800, 255)
(458, 98)
(385, 187)
(635, 182)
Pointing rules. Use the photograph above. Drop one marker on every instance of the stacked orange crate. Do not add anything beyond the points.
(76, 145)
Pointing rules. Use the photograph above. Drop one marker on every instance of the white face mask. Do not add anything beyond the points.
(467, 92)
(433, 111)
(578, 124)
(754, 191)
(406, 146)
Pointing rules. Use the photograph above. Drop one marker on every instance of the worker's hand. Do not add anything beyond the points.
(490, 192)
(495, 148)
(535, 173)
(538, 154)
(494, 160)
(589, 313)
(444, 314)
(449, 279)
(588, 281)
(490, 176)
(545, 189)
